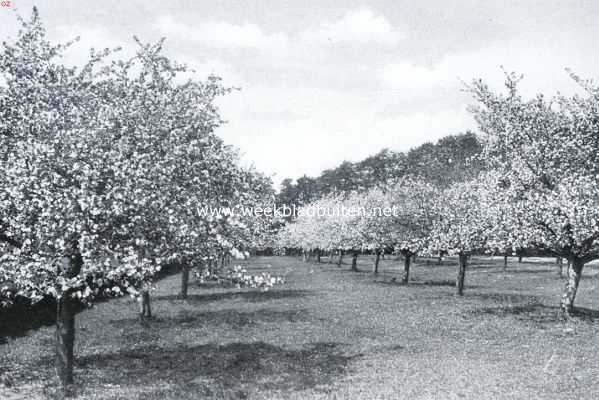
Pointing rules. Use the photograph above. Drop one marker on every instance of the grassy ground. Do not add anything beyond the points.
(330, 333)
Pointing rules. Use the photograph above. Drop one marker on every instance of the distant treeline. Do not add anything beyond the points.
(453, 158)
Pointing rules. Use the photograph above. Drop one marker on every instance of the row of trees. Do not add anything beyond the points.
(104, 169)
(452, 158)
(538, 189)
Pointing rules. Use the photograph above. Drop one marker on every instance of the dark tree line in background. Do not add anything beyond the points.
(454, 158)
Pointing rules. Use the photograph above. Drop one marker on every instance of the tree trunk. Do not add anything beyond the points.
(406, 268)
(65, 317)
(505, 263)
(65, 340)
(519, 259)
(463, 262)
(318, 256)
(441, 255)
(569, 295)
(184, 281)
(145, 311)
(354, 262)
(340, 261)
(305, 256)
(375, 268)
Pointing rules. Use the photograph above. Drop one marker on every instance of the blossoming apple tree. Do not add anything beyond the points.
(103, 168)
(548, 153)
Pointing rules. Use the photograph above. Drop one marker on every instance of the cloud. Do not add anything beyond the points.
(360, 26)
(328, 126)
(543, 66)
(406, 74)
(223, 35)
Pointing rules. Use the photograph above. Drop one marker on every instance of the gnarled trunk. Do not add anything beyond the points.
(184, 281)
(354, 261)
(406, 268)
(377, 259)
(463, 262)
(569, 295)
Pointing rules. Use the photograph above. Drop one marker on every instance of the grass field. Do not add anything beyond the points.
(329, 333)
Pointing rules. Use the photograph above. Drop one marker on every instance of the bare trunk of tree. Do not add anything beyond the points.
(65, 340)
(463, 262)
(560, 266)
(340, 261)
(377, 259)
(184, 281)
(406, 268)
(569, 295)
(505, 263)
(354, 261)
(145, 311)
(519, 259)
(305, 256)
(66, 308)
(318, 256)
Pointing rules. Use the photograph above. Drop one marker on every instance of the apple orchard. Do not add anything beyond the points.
(106, 164)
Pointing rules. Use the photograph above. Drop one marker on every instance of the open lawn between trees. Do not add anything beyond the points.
(331, 333)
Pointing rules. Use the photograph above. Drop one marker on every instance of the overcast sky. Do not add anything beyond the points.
(327, 81)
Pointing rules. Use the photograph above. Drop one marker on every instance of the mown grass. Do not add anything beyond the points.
(330, 333)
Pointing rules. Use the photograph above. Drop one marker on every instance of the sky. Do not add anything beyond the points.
(323, 81)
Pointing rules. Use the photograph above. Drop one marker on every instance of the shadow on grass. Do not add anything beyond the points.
(19, 319)
(515, 270)
(252, 296)
(200, 369)
(233, 318)
(538, 312)
(427, 283)
(447, 282)
(506, 299)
